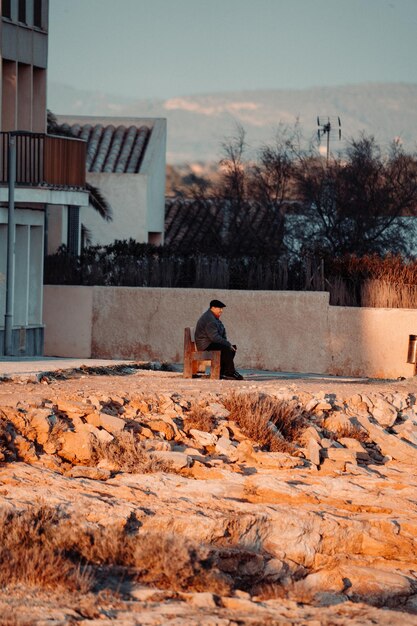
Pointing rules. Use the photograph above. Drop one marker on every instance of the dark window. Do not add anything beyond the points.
(73, 229)
(6, 9)
(22, 11)
(37, 13)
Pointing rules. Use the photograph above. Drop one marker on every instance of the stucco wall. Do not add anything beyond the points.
(287, 331)
(68, 318)
(127, 195)
(371, 341)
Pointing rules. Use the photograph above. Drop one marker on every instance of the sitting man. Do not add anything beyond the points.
(210, 334)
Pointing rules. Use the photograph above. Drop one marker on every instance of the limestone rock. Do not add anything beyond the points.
(177, 460)
(75, 446)
(202, 438)
(94, 473)
(389, 444)
(218, 410)
(112, 423)
(313, 451)
(163, 427)
(384, 413)
(226, 448)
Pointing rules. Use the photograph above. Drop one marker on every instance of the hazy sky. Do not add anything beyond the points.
(166, 48)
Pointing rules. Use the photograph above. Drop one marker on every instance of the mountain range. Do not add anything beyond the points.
(198, 124)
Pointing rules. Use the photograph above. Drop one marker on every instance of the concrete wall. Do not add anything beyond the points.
(283, 331)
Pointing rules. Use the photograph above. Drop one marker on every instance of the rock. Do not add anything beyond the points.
(111, 423)
(226, 448)
(176, 460)
(340, 454)
(156, 444)
(245, 451)
(311, 404)
(94, 473)
(163, 427)
(352, 444)
(390, 445)
(310, 433)
(276, 460)
(218, 410)
(201, 600)
(25, 449)
(75, 446)
(384, 413)
(337, 421)
(101, 434)
(236, 432)
(313, 451)
(42, 422)
(93, 418)
(71, 408)
(375, 585)
(202, 438)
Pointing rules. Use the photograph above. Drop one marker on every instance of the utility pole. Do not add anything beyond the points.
(326, 125)
(11, 230)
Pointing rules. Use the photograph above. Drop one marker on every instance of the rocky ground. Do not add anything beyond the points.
(145, 498)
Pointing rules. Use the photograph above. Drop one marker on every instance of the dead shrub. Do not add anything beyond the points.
(125, 453)
(353, 432)
(170, 561)
(274, 424)
(30, 553)
(199, 418)
(7, 434)
(166, 561)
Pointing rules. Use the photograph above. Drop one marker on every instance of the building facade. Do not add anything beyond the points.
(37, 172)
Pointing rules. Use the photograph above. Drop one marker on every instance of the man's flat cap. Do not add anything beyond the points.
(217, 303)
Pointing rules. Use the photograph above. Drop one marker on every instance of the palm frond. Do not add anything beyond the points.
(99, 202)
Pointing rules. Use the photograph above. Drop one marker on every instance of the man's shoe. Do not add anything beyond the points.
(235, 376)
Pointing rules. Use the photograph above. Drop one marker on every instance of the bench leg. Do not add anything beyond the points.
(188, 368)
(215, 366)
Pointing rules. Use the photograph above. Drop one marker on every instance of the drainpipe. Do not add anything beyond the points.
(8, 318)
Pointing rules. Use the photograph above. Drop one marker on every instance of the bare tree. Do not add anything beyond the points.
(357, 203)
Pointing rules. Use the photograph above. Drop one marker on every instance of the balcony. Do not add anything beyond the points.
(44, 160)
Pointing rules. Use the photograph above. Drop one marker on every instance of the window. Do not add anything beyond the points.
(22, 11)
(37, 13)
(6, 9)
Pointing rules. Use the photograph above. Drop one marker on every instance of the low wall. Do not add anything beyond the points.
(278, 330)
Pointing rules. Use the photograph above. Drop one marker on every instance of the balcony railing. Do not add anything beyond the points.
(45, 160)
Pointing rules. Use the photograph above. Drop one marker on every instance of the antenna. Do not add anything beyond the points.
(326, 124)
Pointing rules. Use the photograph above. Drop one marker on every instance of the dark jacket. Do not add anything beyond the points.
(209, 330)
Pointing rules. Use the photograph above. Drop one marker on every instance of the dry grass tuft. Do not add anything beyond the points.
(7, 431)
(170, 561)
(125, 453)
(274, 424)
(199, 417)
(353, 432)
(40, 548)
(30, 553)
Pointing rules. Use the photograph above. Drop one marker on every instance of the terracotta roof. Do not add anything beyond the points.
(111, 149)
(193, 225)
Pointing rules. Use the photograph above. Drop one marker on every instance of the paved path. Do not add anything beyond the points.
(31, 366)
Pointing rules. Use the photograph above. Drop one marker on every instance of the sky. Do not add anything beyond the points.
(166, 48)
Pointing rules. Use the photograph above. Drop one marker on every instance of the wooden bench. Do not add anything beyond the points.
(193, 357)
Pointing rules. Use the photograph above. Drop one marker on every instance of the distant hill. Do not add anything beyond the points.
(198, 124)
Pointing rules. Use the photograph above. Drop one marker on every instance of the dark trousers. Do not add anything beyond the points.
(227, 366)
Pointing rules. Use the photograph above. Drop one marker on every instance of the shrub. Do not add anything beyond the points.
(274, 424)
(126, 454)
(30, 553)
(199, 417)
